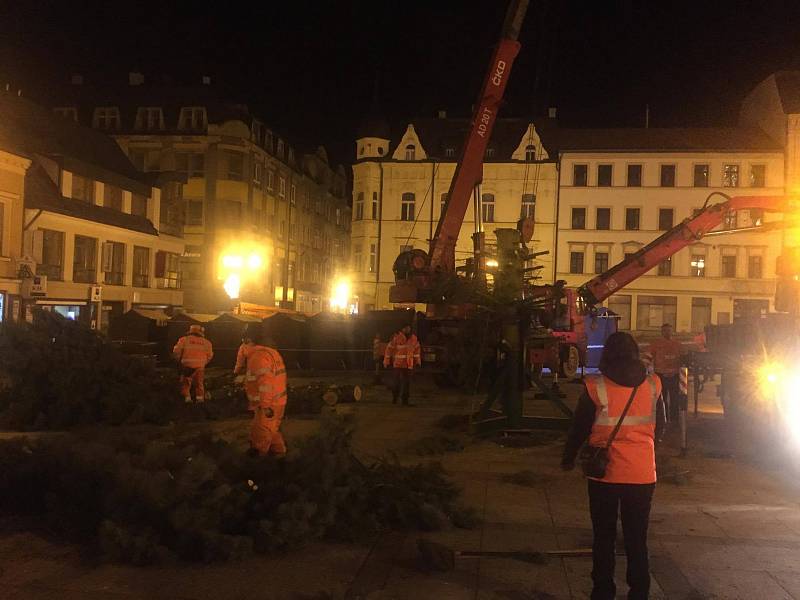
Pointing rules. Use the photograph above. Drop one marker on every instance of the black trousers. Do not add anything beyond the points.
(670, 391)
(401, 385)
(632, 502)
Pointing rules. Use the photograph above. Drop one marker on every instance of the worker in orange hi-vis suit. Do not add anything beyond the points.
(265, 384)
(402, 354)
(667, 353)
(193, 352)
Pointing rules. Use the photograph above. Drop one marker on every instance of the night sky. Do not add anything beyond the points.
(310, 67)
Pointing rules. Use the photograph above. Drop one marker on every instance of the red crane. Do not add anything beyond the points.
(415, 270)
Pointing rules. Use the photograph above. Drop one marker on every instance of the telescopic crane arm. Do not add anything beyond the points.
(418, 274)
(685, 233)
(469, 169)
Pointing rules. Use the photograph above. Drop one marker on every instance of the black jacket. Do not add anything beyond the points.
(628, 374)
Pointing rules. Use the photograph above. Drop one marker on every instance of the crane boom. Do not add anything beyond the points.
(469, 169)
(685, 233)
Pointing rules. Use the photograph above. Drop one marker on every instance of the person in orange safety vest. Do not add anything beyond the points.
(667, 353)
(402, 354)
(193, 352)
(629, 481)
(265, 385)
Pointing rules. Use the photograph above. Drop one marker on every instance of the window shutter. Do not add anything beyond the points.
(108, 257)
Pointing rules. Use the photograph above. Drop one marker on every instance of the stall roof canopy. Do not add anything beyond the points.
(154, 315)
(194, 317)
(240, 318)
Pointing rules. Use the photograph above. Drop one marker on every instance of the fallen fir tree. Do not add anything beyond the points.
(143, 499)
(58, 374)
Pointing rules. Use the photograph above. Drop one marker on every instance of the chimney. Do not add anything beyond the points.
(206, 80)
(76, 79)
(551, 112)
(135, 78)
(441, 114)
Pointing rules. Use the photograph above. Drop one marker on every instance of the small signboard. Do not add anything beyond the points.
(96, 294)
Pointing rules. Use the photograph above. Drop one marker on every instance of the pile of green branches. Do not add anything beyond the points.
(58, 374)
(144, 499)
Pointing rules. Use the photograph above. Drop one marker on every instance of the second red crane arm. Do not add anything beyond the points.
(685, 233)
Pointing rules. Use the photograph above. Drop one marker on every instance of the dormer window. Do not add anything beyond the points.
(411, 152)
(490, 153)
(192, 117)
(268, 142)
(291, 156)
(449, 152)
(280, 149)
(530, 153)
(106, 117)
(150, 118)
(68, 112)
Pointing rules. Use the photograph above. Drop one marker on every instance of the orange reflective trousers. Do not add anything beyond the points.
(265, 383)
(196, 380)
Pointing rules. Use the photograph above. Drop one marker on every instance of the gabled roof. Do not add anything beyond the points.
(31, 129)
(437, 135)
(42, 193)
(788, 84)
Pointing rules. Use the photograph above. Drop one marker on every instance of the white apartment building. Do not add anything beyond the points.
(621, 189)
(400, 184)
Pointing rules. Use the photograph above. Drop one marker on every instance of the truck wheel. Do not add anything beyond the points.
(569, 362)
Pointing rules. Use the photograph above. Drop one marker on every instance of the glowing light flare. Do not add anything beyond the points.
(780, 390)
(340, 294)
(232, 285)
(254, 262)
(492, 263)
(232, 261)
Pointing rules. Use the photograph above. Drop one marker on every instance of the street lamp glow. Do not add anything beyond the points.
(232, 261)
(340, 295)
(254, 262)
(492, 263)
(232, 285)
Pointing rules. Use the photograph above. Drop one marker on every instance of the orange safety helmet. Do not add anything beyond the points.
(198, 329)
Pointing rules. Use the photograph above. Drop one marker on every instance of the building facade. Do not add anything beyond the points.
(616, 200)
(599, 195)
(400, 185)
(257, 210)
(93, 237)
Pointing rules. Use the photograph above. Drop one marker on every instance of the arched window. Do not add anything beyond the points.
(530, 153)
(407, 206)
(487, 208)
(490, 153)
(411, 152)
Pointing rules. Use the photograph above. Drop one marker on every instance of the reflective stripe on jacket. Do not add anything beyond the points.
(632, 456)
(402, 352)
(666, 355)
(193, 351)
(265, 382)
